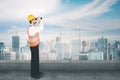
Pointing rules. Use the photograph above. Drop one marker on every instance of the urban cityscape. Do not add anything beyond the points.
(78, 40)
(83, 21)
(100, 49)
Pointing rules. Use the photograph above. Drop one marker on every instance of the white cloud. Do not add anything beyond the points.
(19, 9)
(96, 24)
(74, 17)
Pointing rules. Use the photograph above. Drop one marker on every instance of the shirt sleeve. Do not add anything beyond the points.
(40, 27)
(33, 30)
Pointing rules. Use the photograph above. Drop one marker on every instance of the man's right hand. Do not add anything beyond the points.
(39, 19)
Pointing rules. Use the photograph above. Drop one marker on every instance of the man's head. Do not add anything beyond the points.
(32, 19)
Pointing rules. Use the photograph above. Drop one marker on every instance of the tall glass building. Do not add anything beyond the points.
(102, 46)
(15, 46)
(2, 51)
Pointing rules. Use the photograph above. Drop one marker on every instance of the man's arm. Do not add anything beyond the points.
(41, 27)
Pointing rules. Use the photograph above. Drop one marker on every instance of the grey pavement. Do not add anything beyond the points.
(62, 76)
(62, 70)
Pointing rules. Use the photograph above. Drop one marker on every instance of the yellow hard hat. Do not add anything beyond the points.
(31, 17)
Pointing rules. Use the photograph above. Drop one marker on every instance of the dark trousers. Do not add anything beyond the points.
(34, 60)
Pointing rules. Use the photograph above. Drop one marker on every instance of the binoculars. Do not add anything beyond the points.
(40, 18)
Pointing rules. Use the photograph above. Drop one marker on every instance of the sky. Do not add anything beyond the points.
(94, 18)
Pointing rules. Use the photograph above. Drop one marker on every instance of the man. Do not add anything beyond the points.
(33, 42)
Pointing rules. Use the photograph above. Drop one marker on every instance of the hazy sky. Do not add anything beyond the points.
(92, 17)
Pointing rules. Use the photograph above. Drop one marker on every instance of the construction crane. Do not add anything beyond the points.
(79, 36)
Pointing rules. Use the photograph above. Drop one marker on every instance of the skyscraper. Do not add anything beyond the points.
(15, 45)
(102, 46)
(75, 49)
(2, 51)
(94, 46)
(84, 46)
(58, 47)
(116, 44)
(109, 55)
(1, 45)
(117, 50)
(25, 53)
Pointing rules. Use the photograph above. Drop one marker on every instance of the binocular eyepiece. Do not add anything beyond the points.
(40, 18)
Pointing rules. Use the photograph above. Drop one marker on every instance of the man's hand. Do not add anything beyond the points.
(39, 19)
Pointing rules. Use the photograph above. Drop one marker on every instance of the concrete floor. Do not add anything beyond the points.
(62, 70)
(62, 76)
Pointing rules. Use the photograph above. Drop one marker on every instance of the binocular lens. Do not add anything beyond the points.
(41, 18)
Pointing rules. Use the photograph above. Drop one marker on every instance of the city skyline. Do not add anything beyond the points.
(93, 17)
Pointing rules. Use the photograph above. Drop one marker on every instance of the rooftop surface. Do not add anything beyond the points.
(62, 70)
